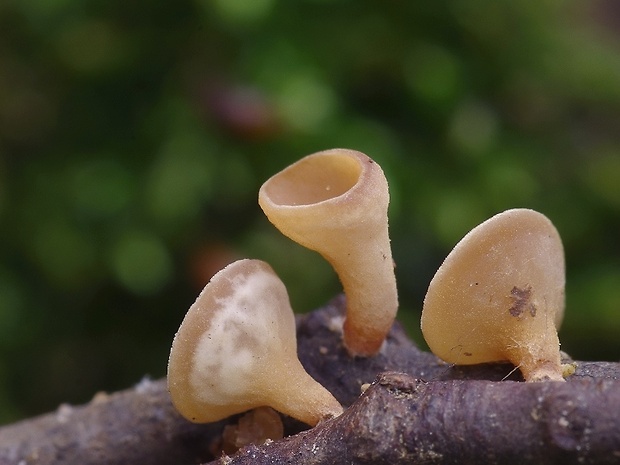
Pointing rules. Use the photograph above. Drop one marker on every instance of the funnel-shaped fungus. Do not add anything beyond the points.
(236, 350)
(499, 296)
(335, 202)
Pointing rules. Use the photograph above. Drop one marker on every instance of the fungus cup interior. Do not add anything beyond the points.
(335, 202)
(499, 296)
(314, 180)
(236, 349)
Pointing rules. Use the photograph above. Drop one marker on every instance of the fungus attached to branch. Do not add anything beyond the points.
(236, 350)
(335, 202)
(499, 296)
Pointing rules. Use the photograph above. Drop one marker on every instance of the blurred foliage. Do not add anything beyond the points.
(134, 137)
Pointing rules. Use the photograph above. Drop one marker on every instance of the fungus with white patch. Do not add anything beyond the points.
(335, 202)
(236, 350)
(499, 296)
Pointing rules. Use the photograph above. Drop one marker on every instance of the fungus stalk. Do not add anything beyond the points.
(335, 202)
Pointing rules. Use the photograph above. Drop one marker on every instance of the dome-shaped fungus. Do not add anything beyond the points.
(236, 350)
(499, 296)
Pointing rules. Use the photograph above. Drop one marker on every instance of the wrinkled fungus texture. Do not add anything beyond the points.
(238, 338)
(236, 350)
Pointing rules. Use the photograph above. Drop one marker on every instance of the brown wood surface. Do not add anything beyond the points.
(418, 410)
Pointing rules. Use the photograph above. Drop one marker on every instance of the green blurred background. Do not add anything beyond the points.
(134, 137)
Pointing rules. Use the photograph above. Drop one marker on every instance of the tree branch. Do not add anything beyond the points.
(403, 420)
(435, 413)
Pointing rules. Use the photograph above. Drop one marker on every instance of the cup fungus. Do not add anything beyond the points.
(499, 296)
(335, 202)
(236, 350)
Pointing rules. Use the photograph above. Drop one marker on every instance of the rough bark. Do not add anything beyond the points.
(418, 410)
(403, 420)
